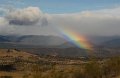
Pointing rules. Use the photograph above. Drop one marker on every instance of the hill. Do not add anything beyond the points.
(31, 41)
(15, 63)
(114, 43)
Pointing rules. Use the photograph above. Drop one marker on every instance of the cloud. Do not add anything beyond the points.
(4, 27)
(3, 21)
(44, 21)
(26, 16)
(33, 21)
(96, 22)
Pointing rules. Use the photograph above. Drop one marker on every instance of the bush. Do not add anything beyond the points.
(112, 67)
(93, 70)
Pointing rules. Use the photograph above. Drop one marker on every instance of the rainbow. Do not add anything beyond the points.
(77, 39)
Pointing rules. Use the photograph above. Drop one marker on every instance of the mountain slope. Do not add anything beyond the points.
(112, 43)
(40, 40)
(98, 40)
(30, 40)
(4, 39)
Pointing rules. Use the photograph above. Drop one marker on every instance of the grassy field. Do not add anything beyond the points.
(19, 64)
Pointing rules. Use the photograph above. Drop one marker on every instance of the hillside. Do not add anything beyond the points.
(15, 63)
(34, 40)
(112, 43)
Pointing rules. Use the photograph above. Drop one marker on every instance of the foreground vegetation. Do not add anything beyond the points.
(16, 64)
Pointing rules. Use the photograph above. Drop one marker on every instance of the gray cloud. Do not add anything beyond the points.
(44, 21)
(33, 22)
(26, 16)
(98, 22)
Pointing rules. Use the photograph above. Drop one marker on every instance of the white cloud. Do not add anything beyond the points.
(26, 16)
(98, 22)
(33, 21)
(3, 21)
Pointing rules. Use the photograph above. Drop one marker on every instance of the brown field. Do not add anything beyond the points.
(19, 64)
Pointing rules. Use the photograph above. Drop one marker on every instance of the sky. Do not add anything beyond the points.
(62, 6)
(50, 17)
